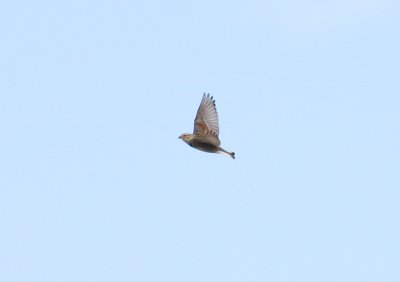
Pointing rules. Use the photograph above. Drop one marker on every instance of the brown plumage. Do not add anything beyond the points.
(206, 129)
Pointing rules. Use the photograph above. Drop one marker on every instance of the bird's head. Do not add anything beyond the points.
(186, 137)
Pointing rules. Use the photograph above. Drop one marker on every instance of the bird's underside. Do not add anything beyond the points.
(205, 147)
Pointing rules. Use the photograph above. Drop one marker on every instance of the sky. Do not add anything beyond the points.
(96, 186)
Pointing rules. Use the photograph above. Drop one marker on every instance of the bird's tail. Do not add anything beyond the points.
(224, 152)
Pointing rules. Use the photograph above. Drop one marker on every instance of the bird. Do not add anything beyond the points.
(205, 135)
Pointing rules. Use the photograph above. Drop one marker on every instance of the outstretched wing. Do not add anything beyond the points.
(206, 126)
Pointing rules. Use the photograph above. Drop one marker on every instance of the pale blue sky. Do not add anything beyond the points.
(95, 185)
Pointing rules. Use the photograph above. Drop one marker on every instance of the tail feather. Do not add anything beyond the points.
(224, 152)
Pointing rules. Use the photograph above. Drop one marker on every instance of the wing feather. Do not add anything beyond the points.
(206, 125)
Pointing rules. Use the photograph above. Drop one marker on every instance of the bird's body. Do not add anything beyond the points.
(206, 129)
(209, 148)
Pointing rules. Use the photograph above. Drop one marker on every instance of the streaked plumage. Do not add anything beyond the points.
(206, 129)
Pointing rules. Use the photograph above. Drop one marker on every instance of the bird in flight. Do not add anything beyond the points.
(206, 129)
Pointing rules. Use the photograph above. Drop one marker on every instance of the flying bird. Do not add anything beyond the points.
(206, 129)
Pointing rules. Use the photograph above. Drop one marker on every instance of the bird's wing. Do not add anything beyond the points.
(206, 125)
